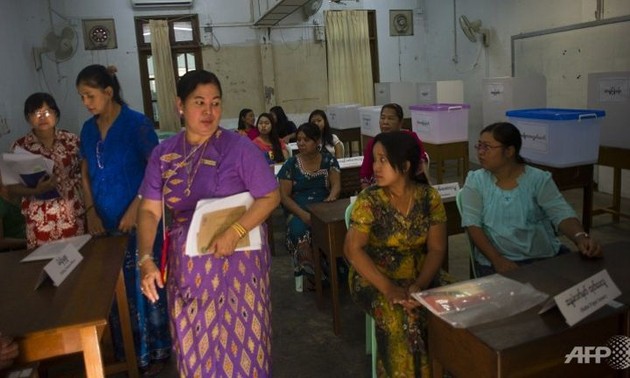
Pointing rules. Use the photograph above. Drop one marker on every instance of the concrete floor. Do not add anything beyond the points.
(304, 344)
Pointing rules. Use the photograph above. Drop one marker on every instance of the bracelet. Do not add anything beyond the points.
(240, 230)
(581, 233)
(144, 259)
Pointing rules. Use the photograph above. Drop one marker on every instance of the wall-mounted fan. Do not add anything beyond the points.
(472, 28)
(311, 7)
(59, 45)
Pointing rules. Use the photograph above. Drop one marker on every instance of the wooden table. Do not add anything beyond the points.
(439, 153)
(618, 159)
(54, 321)
(328, 232)
(579, 176)
(532, 345)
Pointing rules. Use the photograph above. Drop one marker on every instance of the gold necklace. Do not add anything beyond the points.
(191, 177)
(409, 202)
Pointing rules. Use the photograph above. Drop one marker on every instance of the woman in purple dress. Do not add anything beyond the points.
(219, 302)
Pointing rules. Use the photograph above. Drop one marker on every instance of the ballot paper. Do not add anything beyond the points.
(213, 216)
(24, 167)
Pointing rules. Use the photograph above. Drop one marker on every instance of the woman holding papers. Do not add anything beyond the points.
(512, 210)
(396, 242)
(51, 203)
(115, 144)
(308, 177)
(219, 301)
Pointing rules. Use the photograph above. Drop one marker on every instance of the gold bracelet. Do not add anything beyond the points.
(240, 230)
(143, 259)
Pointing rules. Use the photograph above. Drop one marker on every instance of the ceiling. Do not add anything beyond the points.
(279, 11)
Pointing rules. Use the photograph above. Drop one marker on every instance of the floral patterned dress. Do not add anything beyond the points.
(397, 245)
(61, 217)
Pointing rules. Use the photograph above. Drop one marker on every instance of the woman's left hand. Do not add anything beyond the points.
(224, 244)
(330, 198)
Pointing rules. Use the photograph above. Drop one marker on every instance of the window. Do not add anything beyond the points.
(185, 49)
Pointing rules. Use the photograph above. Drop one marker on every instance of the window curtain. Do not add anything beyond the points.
(348, 55)
(168, 115)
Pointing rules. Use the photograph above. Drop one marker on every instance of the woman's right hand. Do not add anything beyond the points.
(396, 294)
(151, 280)
(94, 223)
(46, 184)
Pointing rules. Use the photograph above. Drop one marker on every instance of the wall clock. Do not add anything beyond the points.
(99, 34)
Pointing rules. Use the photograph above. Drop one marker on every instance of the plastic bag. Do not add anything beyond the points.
(469, 303)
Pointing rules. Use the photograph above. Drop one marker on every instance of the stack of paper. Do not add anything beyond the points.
(24, 167)
(213, 216)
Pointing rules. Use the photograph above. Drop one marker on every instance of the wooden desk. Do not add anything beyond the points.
(528, 344)
(328, 232)
(54, 321)
(579, 176)
(438, 153)
(618, 159)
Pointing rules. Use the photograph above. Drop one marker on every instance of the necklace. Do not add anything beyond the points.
(191, 172)
(409, 203)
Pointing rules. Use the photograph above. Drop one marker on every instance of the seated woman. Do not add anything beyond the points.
(391, 120)
(308, 177)
(330, 141)
(512, 210)
(246, 125)
(286, 127)
(396, 242)
(276, 151)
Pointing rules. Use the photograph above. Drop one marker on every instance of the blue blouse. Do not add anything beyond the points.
(116, 165)
(520, 222)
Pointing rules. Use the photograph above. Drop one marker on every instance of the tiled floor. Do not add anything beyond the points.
(303, 341)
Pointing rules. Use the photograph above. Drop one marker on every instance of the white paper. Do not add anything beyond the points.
(448, 190)
(588, 296)
(55, 248)
(60, 267)
(350, 162)
(214, 205)
(12, 165)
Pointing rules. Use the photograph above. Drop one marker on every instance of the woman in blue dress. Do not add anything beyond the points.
(310, 176)
(115, 146)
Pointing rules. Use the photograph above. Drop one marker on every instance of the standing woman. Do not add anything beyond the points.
(219, 302)
(116, 144)
(396, 243)
(267, 141)
(330, 141)
(308, 177)
(50, 217)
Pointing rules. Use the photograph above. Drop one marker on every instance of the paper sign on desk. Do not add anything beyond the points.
(588, 296)
(448, 190)
(60, 266)
(55, 248)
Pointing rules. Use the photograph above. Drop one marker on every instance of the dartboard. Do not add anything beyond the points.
(99, 34)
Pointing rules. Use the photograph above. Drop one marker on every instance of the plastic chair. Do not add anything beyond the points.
(370, 335)
(472, 272)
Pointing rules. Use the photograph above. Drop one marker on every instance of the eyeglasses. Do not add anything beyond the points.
(42, 113)
(484, 147)
(99, 153)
